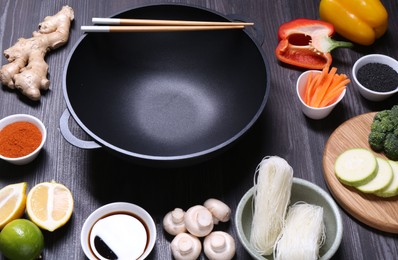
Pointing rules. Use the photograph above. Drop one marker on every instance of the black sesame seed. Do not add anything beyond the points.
(378, 77)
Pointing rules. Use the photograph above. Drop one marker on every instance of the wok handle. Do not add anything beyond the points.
(67, 134)
(257, 33)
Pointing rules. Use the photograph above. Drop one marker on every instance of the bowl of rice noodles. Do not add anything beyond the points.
(311, 218)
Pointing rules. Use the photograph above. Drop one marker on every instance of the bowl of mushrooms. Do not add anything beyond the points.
(194, 231)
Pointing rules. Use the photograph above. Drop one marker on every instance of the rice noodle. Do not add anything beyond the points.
(303, 233)
(272, 187)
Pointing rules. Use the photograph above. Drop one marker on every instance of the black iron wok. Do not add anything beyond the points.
(165, 98)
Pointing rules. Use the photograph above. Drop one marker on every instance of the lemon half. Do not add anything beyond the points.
(12, 202)
(49, 205)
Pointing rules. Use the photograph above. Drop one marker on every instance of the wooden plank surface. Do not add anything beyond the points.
(96, 177)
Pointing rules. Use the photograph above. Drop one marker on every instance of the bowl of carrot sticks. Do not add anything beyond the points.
(319, 91)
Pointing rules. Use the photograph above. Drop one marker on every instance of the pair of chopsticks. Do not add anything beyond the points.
(147, 25)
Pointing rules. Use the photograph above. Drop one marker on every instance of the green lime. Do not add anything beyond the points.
(21, 239)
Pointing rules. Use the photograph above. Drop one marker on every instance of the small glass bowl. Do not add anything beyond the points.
(313, 112)
(373, 58)
(24, 118)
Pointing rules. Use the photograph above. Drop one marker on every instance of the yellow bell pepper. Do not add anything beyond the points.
(360, 21)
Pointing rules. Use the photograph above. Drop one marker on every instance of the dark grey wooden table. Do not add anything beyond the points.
(96, 177)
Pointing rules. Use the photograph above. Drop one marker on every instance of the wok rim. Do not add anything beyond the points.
(183, 157)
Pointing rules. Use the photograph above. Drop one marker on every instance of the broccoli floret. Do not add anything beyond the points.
(394, 118)
(384, 132)
(377, 126)
(394, 109)
(376, 140)
(384, 121)
(382, 114)
(391, 146)
(382, 126)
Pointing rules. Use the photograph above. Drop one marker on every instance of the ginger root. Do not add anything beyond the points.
(27, 69)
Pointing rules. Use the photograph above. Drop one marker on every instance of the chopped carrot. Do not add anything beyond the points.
(322, 89)
(306, 95)
(334, 93)
(313, 85)
(332, 97)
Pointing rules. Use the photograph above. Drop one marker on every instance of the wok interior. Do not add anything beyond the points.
(166, 93)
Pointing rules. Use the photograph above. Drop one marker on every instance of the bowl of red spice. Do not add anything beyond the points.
(22, 137)
(376, 76)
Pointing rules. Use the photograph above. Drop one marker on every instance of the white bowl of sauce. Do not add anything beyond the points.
(118, 230)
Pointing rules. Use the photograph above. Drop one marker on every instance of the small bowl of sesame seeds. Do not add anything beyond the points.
(376, 76)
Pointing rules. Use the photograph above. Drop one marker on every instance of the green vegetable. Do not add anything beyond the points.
(382, 179)
(356, 167)
(376, 140)
(359, 168)
(392, 189)
(391, 146)
(383, 136)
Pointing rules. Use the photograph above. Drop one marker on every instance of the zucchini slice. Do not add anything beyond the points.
(355, 166)
(392, 189)
(382, 179)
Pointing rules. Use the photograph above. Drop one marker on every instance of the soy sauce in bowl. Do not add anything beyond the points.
(120, 235)
(118, 230)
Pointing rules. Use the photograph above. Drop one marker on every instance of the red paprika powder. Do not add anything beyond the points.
(19, 139)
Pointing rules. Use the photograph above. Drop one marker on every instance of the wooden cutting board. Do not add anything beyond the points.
(379, 213)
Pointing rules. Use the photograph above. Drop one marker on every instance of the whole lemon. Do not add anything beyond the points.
(21, 239)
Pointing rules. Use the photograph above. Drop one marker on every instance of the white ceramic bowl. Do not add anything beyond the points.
(313, 112)
(116, 229)
(24, 118)
(373, 58)
(302, 190)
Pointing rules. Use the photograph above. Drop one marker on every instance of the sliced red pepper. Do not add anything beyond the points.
(307, 43)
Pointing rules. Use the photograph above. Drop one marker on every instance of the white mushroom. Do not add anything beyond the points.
(185, 247)
(219, 210)
(199, 221)
(219, 246)
(173, 222)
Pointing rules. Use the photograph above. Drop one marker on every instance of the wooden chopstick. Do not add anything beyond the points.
(156, 28)
(123, 21)
(149, 25)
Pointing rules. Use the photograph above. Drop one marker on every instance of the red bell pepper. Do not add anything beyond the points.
(307, 43)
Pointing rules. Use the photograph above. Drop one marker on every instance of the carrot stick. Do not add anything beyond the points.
(306, 95)
(341, 84)
(334, 93)
(332, 97)
(311, 88)
(320, 81)
(323, 89)
(318, 78)
(337, 80)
